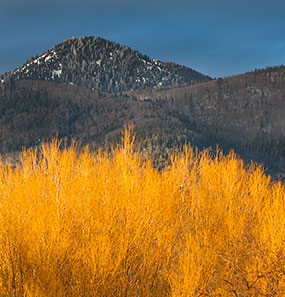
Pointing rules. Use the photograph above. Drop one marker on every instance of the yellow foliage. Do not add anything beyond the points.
(84, 224)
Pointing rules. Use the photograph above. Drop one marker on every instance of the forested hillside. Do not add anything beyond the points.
(244, 112)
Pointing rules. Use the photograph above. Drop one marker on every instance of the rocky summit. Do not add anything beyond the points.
(105, 66)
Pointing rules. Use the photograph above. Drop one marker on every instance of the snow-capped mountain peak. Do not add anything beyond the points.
(102, 65)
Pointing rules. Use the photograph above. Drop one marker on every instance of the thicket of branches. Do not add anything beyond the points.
(86, 224)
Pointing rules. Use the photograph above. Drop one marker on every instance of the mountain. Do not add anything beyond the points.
(102, 65)
(243, 112)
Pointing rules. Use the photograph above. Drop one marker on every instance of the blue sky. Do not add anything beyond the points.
(218, 38)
